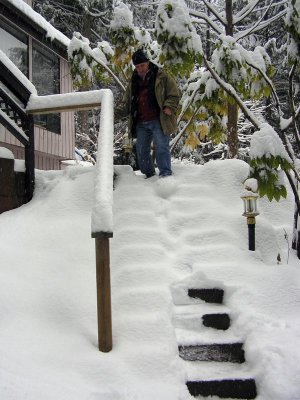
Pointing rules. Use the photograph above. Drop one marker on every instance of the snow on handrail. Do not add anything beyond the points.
(102, 215)
(64, 102)
(102, 212)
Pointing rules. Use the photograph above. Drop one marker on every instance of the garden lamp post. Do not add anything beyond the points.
(249, 198)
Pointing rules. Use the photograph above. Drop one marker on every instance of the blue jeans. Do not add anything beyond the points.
(146, 132)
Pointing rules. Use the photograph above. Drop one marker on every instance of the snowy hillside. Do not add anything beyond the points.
(169, 234)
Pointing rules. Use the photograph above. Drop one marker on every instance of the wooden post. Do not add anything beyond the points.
(29, 159)
(103, 294)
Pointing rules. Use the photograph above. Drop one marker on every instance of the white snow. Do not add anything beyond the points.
(122, 17)
(6, 153)
(52, 32)
(266, 141)
(19, 165)
(17, 73)
(173, 18)
(169, 234)
(102, 214)
(68, 100)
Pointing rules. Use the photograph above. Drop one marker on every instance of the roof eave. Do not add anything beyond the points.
(37, 32)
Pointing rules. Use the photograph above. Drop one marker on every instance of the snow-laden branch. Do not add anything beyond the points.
(245, 11)
(187, 105)
(176, 139)
(231, 92)
(96, 13)
(206, 18)
(259, 25)
(242, 14)
(259, 20)
(269, 82)
(294, 189)
(292, 103)
(76, 43)
(215, 12)
(98, 60)
(286, 123)
(66, 9)
(272, 5)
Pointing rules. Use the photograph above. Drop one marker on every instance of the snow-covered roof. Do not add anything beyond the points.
(35, 25)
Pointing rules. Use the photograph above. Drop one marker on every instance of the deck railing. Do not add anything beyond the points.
(102, 212)
(15, 119)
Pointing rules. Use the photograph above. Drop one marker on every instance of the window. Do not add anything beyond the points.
(43, 70)
(15, 45)
(46, 79)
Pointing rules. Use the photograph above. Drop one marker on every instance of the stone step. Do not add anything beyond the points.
(217, 321)
(225, 389)
(221, 352)
(211, 295)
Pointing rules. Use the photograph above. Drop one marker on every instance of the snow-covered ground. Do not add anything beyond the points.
(169, 234)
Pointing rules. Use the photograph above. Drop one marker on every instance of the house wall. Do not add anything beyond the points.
(50, 148)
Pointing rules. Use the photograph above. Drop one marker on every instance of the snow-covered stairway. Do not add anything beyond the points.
(166, 304)
(212, 348)
(142, 272)
(212, 352)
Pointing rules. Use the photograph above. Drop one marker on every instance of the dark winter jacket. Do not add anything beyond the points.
(167, 95)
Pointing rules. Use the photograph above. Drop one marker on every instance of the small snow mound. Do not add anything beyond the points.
(166, 186)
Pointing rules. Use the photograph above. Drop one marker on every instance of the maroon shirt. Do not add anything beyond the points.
(146, 112)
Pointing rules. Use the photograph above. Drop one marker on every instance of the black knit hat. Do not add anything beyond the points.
(139, 57)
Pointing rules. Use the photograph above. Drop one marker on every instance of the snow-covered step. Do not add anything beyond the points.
(232, 388)
(216, 321)
(225, 380)
(214, 370)
(190, 336)
(188, 293)
(195, 308)
(209, 295)
(202, 315)
(221, 352)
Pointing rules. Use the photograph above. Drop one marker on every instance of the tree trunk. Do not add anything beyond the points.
(83, 116)
(232, 131)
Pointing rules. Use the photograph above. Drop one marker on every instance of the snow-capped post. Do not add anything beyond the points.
(249, 197)
(102, 219)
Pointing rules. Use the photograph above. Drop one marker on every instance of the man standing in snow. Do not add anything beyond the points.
(150, 101)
